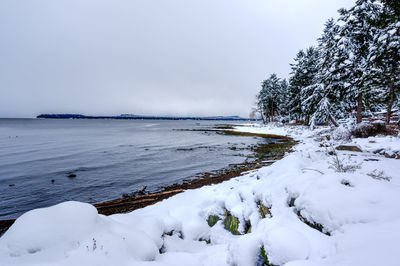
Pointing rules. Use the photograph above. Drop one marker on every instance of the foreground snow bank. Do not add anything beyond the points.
(72, 233)
(299, 211)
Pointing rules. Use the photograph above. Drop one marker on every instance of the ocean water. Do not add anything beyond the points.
(108, 157)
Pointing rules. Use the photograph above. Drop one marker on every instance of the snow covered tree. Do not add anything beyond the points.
(310, 70)
(394, 6)
(271, 99)
(356, 34)
(325, 99)
(355, 65)
(384, 56)
(302, 76)
(296, 84)
(284, 98)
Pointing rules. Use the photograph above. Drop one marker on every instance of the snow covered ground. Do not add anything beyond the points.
(316, 206)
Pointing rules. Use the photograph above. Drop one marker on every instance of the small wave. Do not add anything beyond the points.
(151, 125)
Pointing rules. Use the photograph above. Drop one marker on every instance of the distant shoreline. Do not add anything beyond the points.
(140, 117)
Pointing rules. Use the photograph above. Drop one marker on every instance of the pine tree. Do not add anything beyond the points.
(302, 76)
(310, 70)
(356, 35)
(284, 99)
(384, 57)
(269, 100)
(356, 64)
(326, 99)
(295, 87)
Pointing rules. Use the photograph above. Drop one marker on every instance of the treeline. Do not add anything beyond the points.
(354, 68)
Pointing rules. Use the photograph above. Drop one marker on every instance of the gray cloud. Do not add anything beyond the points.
(174, 57)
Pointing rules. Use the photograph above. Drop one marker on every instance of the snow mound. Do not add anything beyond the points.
(341, 133)
(73, 228)
(50, 228)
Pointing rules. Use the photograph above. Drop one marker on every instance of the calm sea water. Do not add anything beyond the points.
(108, 157)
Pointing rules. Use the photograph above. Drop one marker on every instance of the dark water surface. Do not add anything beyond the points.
(108, 157)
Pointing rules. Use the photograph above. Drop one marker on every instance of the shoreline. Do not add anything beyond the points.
(143, 117)
(264, 153)
(314, 206)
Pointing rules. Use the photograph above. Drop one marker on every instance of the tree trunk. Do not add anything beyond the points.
(272, 113)
(264, 116)
(359, 108)
(333, 120)
(390, 101)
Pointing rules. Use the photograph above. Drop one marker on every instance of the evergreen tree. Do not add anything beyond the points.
(394, 6)
(270, 97)
(302, 76)
(356, 35)
(356, 64)
(384, 57)
(295, 87)
(307, 92)
(284, 99)
(326, 95)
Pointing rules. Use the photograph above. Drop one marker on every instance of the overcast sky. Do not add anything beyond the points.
(158, 57)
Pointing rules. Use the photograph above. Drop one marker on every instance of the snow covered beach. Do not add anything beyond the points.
(316, 206)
